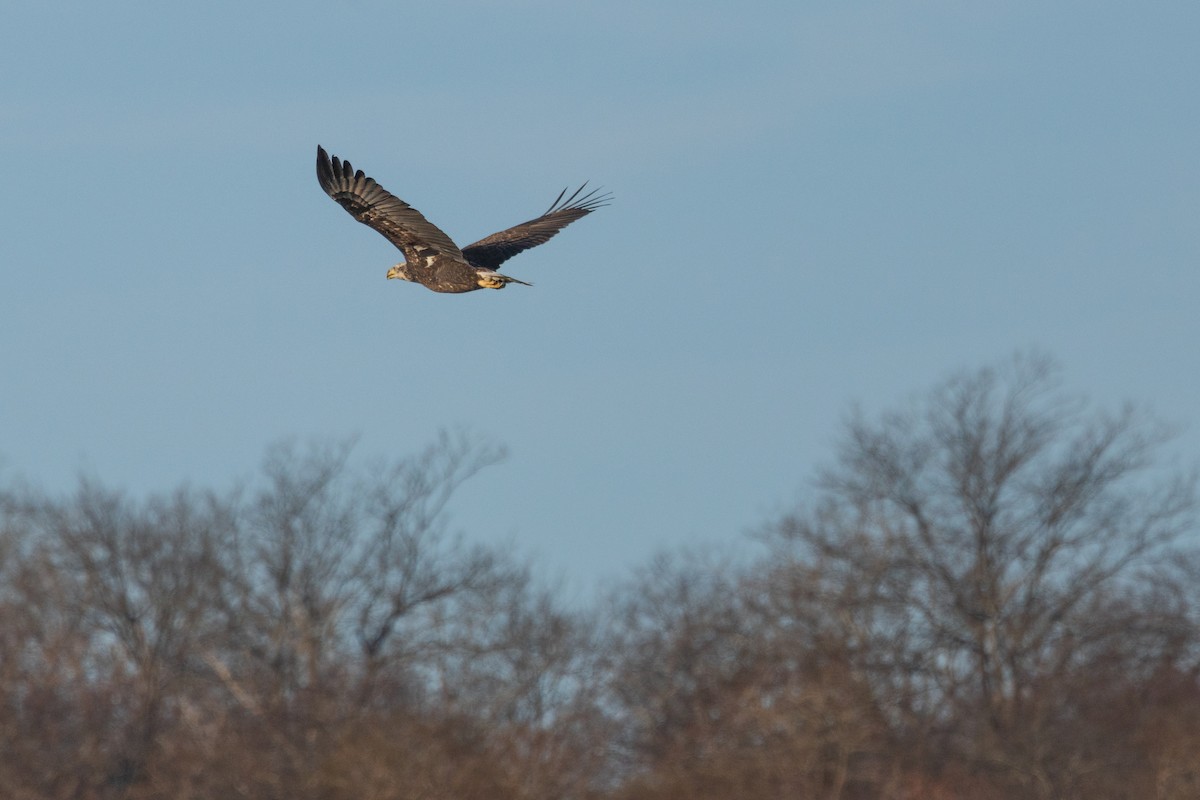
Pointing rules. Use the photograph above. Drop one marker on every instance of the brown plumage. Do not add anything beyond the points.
(431, 258)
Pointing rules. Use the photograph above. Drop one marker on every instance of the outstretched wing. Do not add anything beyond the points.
(493, 251)
(372, 205)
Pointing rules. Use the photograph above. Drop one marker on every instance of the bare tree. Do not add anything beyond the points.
(734, 678)
(115, 603)
(1009, 539)
(992, 596)
(191, 644)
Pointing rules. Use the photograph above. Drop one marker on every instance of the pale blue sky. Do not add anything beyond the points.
(817, 204)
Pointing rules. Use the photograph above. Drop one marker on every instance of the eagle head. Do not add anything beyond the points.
(400, 272)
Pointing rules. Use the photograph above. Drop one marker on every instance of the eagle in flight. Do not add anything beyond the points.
(431, 258)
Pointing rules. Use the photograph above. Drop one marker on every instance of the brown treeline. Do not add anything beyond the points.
(991, 593)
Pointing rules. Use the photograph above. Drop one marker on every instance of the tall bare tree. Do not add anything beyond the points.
(989, 546)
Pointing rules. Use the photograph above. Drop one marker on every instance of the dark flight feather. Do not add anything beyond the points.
(493, 251)
(376, 207)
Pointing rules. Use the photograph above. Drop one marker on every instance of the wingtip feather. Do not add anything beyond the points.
(587, 203)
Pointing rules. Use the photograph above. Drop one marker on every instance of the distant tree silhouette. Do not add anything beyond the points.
(208, 646)
(992, 594)
(987, 551)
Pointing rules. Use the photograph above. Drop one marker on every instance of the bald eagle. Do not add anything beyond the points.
(431, 258)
